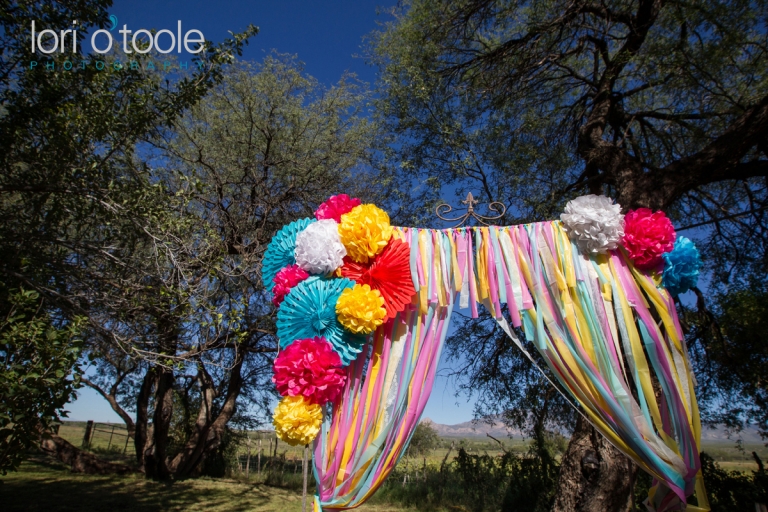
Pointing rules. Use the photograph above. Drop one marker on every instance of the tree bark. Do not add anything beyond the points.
(155, 456)
(209, 430)
(79, 461)
(594, 475)
(141, 431)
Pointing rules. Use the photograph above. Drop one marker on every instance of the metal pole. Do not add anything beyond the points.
(110, 437)
(304, 492)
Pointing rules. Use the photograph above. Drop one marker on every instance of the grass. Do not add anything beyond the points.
(43, 485)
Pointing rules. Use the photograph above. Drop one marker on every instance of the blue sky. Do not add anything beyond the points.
(326, 36)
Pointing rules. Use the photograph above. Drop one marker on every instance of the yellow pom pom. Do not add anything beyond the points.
(365, 231)
(360, 309)
(297, 421)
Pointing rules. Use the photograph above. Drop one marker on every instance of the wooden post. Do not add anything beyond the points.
(87, 436)
(248, 460)
(275, 454)
(110, 437)
(259, 462)
(127, 438)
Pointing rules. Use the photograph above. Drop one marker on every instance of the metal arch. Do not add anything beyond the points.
(444, 209)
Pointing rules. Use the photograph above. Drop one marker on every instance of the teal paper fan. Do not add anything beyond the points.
(279, 253)
(309, 310)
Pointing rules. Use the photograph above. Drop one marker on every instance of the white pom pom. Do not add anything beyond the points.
(319, 249)
(594, 223)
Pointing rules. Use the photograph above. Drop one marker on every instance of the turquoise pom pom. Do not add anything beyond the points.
(309, 310)
(681, 267)
(279, 253)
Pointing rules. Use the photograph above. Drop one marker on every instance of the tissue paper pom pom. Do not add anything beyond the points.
(365, 231)
(361, 309)
(287, 278)
(335, 207)
(310, 310)
(389, 273)
(309, 368)
(279, 253)
(319, 249)
(681, 267)
(296, 421)
(594, 223)
(647, 235)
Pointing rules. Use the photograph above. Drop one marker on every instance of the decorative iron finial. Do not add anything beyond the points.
(470, 201)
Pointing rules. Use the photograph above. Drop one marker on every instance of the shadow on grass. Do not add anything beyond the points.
(43, 485)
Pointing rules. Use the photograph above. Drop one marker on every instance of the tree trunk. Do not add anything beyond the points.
(209, 430)
(79, 461)
(155, 457)
(141, 433)
(594, 476)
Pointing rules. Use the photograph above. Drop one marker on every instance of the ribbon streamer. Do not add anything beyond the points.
(609, 335)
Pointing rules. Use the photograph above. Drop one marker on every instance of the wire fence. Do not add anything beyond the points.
(111, 438)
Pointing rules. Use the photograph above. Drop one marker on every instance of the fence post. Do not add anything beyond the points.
(248, 461)
(127, 438)
(258, 470)
(87, 436)
(109, 444)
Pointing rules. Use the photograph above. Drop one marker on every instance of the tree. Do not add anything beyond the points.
(424, 439)
(71, 200)
(658, 104)
(193, 320)
(38, 374)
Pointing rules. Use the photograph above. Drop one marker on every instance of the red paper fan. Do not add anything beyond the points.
(389, 273)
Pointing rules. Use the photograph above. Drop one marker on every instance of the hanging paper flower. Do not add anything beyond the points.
(309, 368)
(287, 278)
(365, 231)
(319, 249)
(594, 222)
(389, 273)
(647, 235)
(310, 310)
(681, 267)
(279, 253)
(335, 207)
(296, 421)
(361, 309)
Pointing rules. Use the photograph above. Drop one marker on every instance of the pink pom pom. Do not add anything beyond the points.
(310, 368)
(336, 206)
(647, 235)
(286, 278)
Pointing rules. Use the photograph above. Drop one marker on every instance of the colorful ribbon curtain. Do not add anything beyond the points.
(596, 321)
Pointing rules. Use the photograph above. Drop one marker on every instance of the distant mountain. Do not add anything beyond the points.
(475, 429)
(748, 435)
(499, 431)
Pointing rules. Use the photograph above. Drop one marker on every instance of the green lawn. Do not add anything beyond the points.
(43, 485)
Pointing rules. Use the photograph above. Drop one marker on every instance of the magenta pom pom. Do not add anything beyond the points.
(286, 278)
(336, 206)
(647, 235)
(310, 368)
